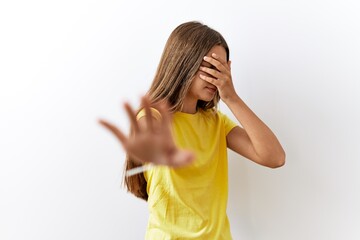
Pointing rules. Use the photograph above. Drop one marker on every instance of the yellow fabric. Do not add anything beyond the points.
(190, 202)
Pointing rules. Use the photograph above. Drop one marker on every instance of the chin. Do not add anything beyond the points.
(207, 98)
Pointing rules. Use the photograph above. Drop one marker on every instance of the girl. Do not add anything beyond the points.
(179, 131)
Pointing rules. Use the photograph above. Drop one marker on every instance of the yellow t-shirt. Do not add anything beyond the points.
(190, 202)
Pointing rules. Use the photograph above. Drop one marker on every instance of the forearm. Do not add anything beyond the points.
(263, 140)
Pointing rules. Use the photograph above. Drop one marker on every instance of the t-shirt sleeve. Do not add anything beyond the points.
(154, 112)
(228, 123)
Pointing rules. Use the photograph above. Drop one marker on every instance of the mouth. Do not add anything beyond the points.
(211, 89)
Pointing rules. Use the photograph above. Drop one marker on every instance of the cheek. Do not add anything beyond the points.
(197, 82)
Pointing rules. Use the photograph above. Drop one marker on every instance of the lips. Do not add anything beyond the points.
(211, 89)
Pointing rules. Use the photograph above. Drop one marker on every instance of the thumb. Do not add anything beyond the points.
(182, 158)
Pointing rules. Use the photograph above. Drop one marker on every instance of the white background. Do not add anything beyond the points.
(64, 64)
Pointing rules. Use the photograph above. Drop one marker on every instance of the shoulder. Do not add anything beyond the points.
(228, 123)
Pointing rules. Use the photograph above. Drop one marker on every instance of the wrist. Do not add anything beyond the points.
(232, 99)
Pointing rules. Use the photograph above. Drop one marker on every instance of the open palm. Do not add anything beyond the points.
(151, 139)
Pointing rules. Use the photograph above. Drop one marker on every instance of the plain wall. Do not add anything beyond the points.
(65, 64)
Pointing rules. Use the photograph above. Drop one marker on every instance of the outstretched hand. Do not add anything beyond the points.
(151, 139)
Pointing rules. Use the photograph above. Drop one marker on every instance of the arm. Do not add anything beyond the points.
(255, 140)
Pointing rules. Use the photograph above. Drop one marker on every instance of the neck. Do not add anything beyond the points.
(189, 106)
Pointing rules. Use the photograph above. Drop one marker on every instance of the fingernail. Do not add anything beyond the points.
(214, 55)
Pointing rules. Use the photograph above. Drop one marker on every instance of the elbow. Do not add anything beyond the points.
(277, 161)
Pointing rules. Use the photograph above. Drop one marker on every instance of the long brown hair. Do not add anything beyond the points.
(179, 63)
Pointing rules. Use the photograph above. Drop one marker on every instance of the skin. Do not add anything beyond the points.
(153, 142)
(254, 140)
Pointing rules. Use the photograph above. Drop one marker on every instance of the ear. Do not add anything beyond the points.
(229, 63)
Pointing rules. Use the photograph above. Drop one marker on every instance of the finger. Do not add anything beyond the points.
(163, 108)
(132, 117)
(148, 114)
(218, 58)
(216, 63)
(181, 158)
(210, 80)
(215, 73)
(117, 132)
